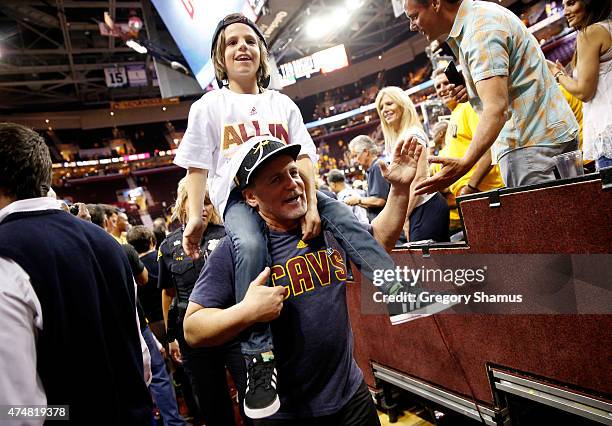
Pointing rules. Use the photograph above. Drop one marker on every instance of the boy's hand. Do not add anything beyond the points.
(311, 223)
(192, 237)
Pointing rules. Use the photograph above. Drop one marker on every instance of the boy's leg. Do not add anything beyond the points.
(360, 246)
(249, 235)
(369, 256)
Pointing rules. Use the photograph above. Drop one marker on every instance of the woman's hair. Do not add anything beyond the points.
(410, 117)
(263, 72)
(596, 11)
(180, 213)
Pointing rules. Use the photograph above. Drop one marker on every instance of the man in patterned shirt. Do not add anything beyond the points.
(524, 118)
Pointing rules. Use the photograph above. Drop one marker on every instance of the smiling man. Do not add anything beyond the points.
(318, 381)
(523, 115)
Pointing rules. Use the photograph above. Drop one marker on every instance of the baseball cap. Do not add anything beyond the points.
(261, 149)
(235, 18)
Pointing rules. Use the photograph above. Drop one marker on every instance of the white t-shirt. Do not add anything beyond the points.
(222, 120)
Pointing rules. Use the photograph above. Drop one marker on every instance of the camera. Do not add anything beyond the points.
(74, 209)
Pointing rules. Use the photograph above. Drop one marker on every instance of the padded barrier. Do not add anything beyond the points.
(567, 350)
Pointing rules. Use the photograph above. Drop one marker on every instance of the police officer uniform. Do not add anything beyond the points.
(205, 367)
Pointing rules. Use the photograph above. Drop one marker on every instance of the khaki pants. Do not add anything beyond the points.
(531, 165)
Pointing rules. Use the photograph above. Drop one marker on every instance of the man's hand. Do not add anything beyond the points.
(311, 223)
(192, 237)
(452, 169)
(403, 167)
(459, 93)
(175, 352)
(262, 303)
(351, 201)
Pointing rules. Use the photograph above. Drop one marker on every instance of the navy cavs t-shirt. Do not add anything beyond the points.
(313, 341)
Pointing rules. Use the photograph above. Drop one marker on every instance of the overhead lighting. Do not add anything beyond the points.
(112, 113)
(136, 46)
(353, 4)
(47, 121)
(320, 26)
(339, 17)
(163, 108)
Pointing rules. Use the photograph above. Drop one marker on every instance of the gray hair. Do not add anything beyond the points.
(363, 143)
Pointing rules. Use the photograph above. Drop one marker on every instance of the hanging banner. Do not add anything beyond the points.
(116, 77)
(137, 75)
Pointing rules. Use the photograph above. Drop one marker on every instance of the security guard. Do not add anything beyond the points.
(205, 367)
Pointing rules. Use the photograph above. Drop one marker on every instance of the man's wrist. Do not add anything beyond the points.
(245, 314)
(473, 187)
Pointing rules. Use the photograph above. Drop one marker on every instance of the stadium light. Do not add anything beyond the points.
(136, 46)
(353, 4)
(320, 26)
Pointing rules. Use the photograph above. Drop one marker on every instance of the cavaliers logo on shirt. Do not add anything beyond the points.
(304, 273)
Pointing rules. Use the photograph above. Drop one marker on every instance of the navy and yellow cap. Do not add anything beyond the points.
(264, 148)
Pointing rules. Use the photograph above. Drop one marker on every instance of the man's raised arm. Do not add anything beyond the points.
(387, 226)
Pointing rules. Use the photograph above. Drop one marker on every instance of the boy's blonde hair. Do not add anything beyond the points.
(263, 72)
(410, 117)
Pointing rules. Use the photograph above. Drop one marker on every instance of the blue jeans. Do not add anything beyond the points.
(161, 386)
(249, 235)
(602, 162)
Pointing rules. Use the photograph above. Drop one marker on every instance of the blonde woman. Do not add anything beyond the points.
(178, 273)
(427, 216)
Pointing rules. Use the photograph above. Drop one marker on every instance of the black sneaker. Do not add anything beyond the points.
(261, 399)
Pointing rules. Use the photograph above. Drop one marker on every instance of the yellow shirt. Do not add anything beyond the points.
(576, 106)
(463, 122)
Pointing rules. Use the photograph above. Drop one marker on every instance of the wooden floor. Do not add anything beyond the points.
(407, 419)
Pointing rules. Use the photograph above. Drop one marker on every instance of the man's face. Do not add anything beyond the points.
(123, 225)
(242, 54)
(441, 84)
(423, 18)
(335, 187)
(278, 192)
(360, 157)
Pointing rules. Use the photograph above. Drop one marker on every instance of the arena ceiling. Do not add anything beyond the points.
(53, 55)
